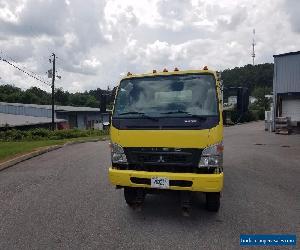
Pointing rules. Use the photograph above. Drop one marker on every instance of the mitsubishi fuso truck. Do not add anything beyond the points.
(167, 134)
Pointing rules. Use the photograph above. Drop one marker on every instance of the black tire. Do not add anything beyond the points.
(134, 196)
(213, 202)
(130, 195)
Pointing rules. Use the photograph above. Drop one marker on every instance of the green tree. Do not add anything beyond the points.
(78, 99)
(40, 96)
(29, 98)
(249, 76)
(62, 97)
(262, 101)
(35, 95)
(92, 102)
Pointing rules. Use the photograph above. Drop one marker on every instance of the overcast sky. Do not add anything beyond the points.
(96, 41)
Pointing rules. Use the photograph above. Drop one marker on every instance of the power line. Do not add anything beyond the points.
(25, 72)
(25, 68)
(22, 66)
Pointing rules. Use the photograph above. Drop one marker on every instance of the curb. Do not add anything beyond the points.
(28, 156)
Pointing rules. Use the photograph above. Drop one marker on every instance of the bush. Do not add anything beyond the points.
(66, 134)
(258, 114)
(42, 134)
(39, 132)
(251, 115)
(12, 135)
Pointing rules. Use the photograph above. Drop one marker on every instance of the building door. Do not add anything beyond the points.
(73, 121)
(291, 108)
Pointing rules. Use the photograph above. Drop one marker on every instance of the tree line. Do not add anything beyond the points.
(257, 78)
(35, 95)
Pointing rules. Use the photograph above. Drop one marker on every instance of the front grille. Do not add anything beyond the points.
(161, 157)
(164, 160)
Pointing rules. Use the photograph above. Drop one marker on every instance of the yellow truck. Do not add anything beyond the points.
(167, 134)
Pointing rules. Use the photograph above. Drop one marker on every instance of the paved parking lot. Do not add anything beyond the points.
(63, 200)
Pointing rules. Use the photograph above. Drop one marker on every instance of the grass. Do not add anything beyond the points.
(12, 149)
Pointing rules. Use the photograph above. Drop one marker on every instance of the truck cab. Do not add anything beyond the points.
(167, 134)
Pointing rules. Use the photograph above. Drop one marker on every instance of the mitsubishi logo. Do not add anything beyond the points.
(161, 159)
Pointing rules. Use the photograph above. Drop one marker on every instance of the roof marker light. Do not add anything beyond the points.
(129, 74)
(176, 69)
(154, 71)
(205, 68)
(165, 70)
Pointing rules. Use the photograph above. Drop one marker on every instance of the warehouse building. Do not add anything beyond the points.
(32, 115)
(286, 88)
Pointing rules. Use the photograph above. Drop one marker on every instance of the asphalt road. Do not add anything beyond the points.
(63, 200)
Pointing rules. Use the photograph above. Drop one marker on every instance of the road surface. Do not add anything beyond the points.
(63, 200)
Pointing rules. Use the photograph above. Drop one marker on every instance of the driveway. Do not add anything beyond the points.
(63, 200)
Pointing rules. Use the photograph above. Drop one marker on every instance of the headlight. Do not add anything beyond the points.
(212, 156)
(117, 154)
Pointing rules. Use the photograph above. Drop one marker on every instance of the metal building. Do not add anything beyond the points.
(286, 87)
(65, 116)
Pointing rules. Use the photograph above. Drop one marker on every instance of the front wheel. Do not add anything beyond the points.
(134, 196)
(213, 202)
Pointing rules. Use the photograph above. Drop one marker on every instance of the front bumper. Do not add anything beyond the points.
(198, 182)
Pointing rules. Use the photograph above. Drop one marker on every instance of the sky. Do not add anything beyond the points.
(98, 41)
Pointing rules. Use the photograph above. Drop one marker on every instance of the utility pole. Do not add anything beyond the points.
(52, 86)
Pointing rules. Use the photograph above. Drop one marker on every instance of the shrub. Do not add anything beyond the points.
(11, 135)
(66, 134)
(251, 115)
(41, 134)
(258, 114)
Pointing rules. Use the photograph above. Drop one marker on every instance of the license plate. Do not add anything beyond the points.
(160, 182)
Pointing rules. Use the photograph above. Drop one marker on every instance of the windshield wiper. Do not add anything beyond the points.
(176, 112)
(203, 117)
(140, 113)
(132, 113)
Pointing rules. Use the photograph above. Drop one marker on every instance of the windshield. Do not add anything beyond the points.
(161, 96)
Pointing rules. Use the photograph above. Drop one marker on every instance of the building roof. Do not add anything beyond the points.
(57, 107)
(22, 120)
(287, 54)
